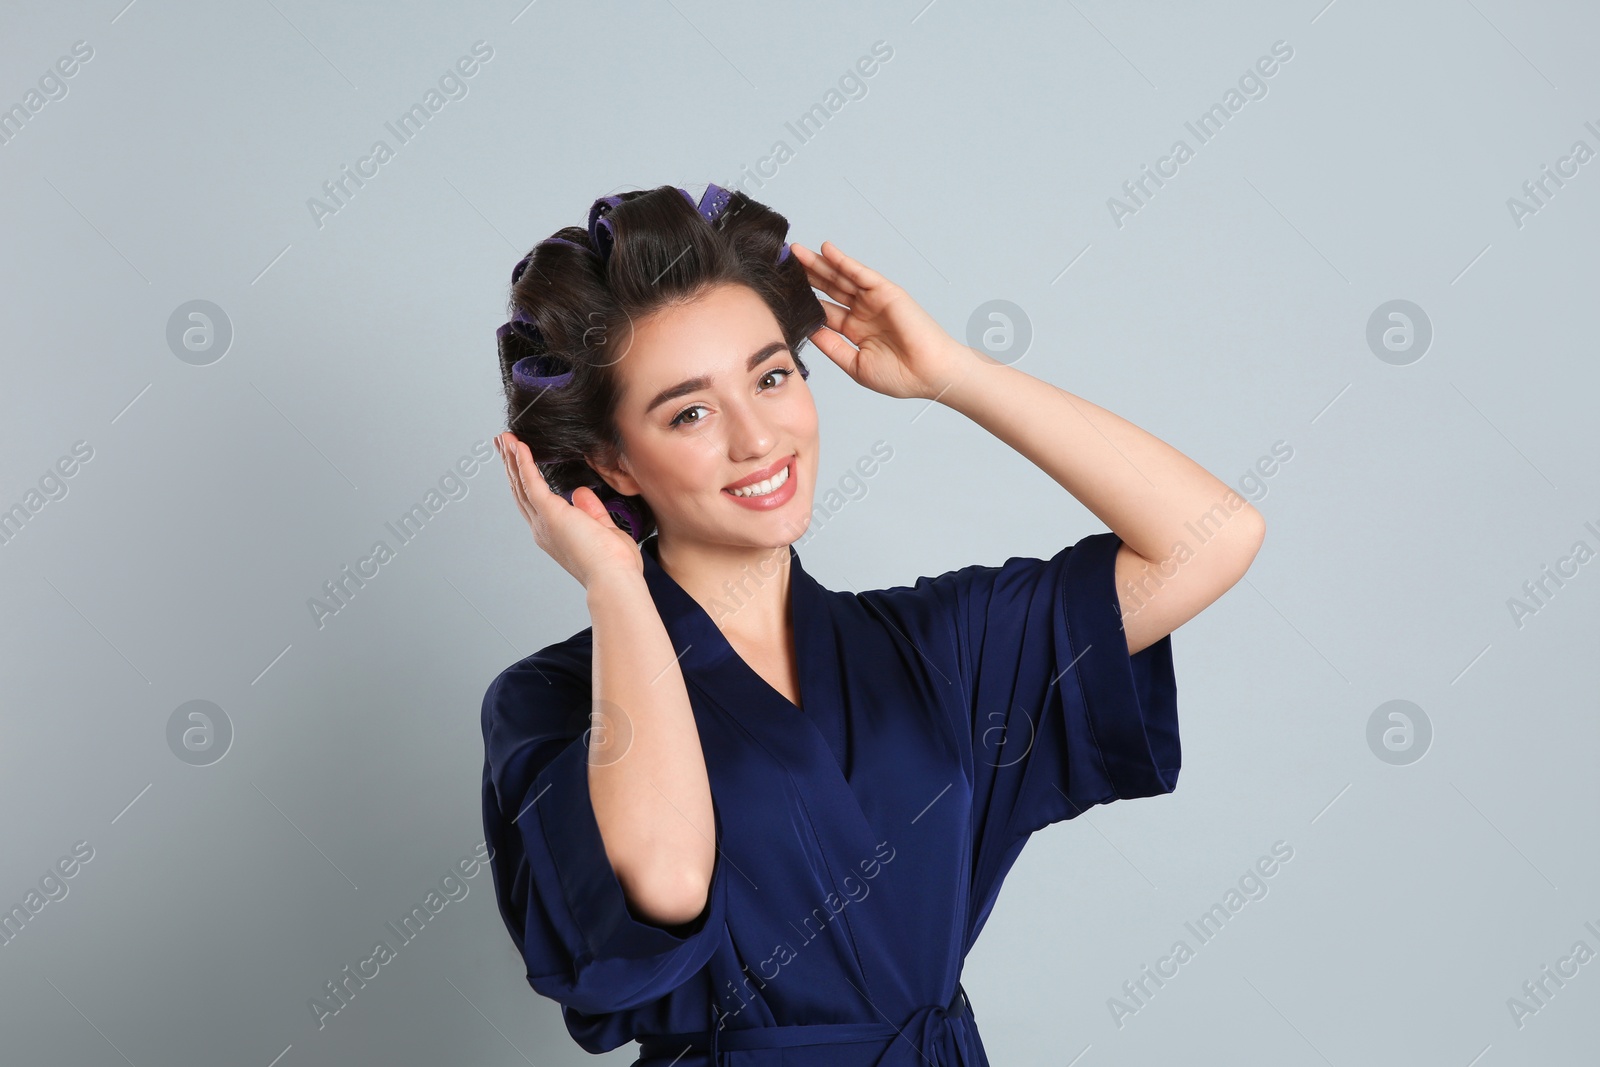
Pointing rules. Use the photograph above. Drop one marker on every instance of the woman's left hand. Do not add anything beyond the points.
(899, 349)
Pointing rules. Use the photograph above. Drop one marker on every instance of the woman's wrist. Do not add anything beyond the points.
(613, 583)
(958, 369)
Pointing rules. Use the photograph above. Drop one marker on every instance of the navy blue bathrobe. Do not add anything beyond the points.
(861, 838)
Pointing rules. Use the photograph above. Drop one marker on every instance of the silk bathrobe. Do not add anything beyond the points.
(861, 838)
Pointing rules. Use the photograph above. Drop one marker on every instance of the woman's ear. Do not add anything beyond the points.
(614, 473)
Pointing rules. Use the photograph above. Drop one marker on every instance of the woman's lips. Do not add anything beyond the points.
(760, 475)
(777, 498)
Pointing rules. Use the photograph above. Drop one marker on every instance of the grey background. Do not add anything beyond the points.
(1228, 314)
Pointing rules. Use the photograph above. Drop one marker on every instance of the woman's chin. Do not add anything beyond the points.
(778, 528)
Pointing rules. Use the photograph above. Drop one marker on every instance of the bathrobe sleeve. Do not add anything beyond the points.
(558, 894)
(1054, 713)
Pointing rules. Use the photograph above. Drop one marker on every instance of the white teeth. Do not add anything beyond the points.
(763, 488)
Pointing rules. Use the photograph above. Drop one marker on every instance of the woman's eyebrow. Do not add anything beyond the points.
(703, 381)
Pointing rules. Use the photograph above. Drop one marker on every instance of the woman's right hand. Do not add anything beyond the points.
(581, 536)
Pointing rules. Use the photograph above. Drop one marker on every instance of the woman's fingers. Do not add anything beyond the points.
(856, 273)
(833, 342)
(503, 446)
(506, 457)
(825, 276)
(591, 505)
(517, 470)
(835, 316)
(529, 484)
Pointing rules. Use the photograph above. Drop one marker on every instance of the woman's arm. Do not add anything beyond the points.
(1158, 501)
(1151, 495)
(647, 771)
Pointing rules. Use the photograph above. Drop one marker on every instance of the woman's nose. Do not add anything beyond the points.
(749, 436)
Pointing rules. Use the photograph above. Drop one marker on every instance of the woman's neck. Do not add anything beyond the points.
(744, 590)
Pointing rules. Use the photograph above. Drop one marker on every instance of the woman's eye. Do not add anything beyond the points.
(785, 371)
(678, 419)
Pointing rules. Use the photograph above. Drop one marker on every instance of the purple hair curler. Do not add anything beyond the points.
(599, 224)
(626, 516)
(713, 202)
(538, 372)
(525, 327)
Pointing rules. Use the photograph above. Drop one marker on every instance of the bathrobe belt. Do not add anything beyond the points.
(929, 1029)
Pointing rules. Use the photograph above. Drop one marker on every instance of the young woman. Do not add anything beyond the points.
(742, 812)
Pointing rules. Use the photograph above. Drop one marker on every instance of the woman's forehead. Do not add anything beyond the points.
(710, 337)
(728, 313)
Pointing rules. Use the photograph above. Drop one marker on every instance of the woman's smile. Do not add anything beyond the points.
(764, 494)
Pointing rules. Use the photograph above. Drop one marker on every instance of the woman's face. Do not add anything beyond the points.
(710, 395)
